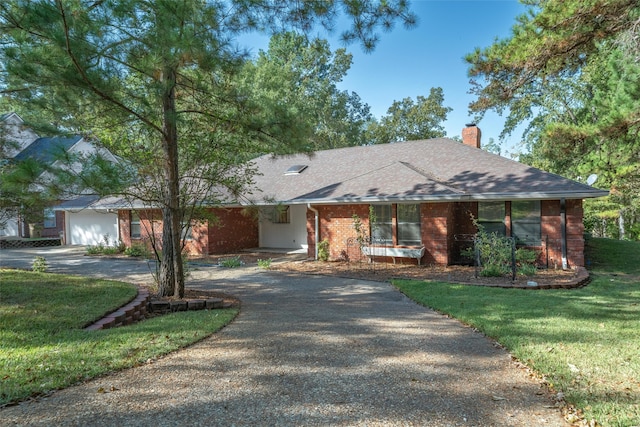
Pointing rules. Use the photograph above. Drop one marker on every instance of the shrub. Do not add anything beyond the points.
(95, 250)
(527, 270)
(493, 270)
(110, 250)
(39, 264)
(231, 262)
(323, 250)
(264, 263)
(135, 251)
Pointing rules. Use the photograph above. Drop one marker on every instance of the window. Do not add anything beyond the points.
(409, 225)
(405, 217)
(491, 217)
(382, 229)
(525, 221)
(280, 215)
(135, 225)
(49, 218)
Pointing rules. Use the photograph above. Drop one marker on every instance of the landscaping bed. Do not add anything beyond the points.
(453, 274)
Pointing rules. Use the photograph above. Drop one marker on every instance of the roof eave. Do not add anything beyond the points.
(444, 198)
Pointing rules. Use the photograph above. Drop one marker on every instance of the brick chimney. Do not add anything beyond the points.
(471, 135)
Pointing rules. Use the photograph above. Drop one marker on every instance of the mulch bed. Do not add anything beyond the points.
(455, 274)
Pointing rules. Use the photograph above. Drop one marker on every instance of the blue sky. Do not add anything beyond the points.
(408, 63)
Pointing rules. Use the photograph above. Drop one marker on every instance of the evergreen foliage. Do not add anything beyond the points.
(160, 85)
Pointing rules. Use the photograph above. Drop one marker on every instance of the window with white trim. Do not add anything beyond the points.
(49, 218)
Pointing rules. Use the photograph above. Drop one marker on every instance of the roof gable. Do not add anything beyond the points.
(47, 150)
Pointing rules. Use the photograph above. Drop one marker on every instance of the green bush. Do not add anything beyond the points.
(39, 264)
(264, 263)
(527, 270)
(231, 262)
(493, 270)
(95, 250)
(110, 250)
(323, 250)
(496, 257)
(136, 251)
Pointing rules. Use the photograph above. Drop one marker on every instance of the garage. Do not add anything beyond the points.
(91, 227)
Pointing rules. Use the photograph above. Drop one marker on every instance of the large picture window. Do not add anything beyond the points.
(406, 220)
(409, 225)
(491, 217)
(382, 229)
(525, 221)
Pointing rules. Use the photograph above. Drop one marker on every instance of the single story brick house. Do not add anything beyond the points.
(424, 194)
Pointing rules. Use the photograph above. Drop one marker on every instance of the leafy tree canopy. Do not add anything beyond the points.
(407, 120)
(158, 83)
(303, 74)
(570, 72)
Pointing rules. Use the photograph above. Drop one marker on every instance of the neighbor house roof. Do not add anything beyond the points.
(47, 150)
(438, 169)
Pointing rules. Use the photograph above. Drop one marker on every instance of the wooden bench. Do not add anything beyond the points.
(394, 253)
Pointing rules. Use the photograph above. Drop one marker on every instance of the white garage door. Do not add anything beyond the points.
(90, 227)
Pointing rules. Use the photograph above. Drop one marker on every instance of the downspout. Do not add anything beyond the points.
(317, 228)
(563, 232)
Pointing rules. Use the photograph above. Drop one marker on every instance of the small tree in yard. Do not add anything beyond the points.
(161, 85)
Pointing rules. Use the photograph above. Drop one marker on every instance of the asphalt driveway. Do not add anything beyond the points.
(305, 350)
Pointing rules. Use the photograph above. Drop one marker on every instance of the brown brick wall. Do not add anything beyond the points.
(552, 233)
(575, 233)
(336, 225)
(124, 227)
(54, 231)
(461, 230)
(442, 227)
(436, 218)
(233, 231)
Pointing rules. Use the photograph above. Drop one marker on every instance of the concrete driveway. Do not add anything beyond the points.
(305, 350)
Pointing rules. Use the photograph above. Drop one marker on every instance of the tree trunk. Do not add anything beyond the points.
(166, 276)
(171, 271)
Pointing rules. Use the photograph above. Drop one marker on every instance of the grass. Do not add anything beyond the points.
(584, 342)
(43, 346)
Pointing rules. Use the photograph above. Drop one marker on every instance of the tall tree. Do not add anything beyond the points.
(304, 73)
(570, 72)
(156, 81)
(407, 120)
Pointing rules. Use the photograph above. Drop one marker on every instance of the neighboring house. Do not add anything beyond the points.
(45, 150)
(425, 196)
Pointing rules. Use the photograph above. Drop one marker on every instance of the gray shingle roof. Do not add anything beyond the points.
(428, 170)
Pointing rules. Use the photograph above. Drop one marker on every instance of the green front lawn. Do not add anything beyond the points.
(585, 342)
(43, 346)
